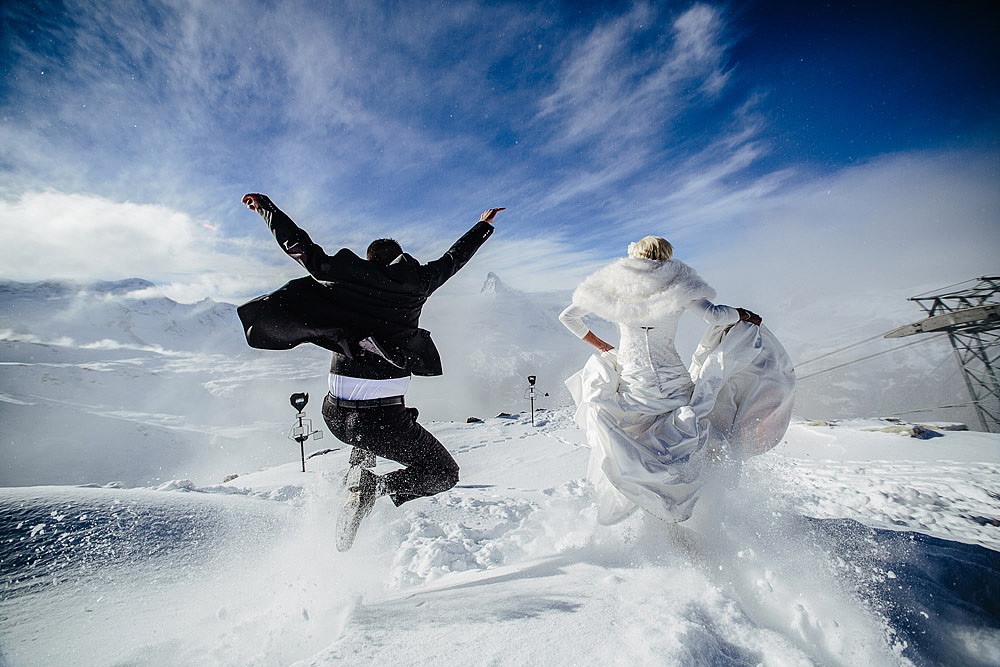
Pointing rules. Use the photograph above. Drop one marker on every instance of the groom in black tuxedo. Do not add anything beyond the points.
(366, 311)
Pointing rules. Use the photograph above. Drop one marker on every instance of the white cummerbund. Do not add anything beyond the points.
(361, 389)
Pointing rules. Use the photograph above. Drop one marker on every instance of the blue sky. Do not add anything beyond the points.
(750, 134)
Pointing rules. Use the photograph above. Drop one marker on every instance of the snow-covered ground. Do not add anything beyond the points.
(851, 543)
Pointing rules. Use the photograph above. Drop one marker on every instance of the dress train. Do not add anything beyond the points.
(650, 441)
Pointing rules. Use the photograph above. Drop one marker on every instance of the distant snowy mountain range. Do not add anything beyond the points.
(113, 381)
(124, 313)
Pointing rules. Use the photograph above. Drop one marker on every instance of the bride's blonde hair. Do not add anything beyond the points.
(651, 247)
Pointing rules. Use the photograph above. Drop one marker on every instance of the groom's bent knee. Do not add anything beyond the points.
(443, 478)
(450, 477)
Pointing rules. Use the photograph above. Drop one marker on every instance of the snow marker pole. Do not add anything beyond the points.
(301, 433)
(531, 396)
(302, 442)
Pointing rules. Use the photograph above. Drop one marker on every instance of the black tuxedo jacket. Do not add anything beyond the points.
(346, 299)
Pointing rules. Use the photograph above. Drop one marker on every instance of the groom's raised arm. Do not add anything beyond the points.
(292, 239)
(437, 272)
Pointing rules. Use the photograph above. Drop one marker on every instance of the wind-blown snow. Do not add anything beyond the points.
(510, 567)
(851, 543)
(163, 390)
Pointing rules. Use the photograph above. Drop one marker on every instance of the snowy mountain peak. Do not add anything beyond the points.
(493, 285)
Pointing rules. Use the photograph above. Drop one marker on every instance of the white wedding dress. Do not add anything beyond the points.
(651, 422)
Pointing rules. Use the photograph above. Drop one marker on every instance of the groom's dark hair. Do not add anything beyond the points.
(383, 251)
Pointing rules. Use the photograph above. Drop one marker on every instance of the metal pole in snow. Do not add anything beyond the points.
(302, 441)
(531, 395)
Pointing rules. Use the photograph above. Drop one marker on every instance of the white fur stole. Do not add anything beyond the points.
(638, 292)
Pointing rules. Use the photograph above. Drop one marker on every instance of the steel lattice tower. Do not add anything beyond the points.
(971, 318)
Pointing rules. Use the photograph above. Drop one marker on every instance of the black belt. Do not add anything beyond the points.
(368, 403)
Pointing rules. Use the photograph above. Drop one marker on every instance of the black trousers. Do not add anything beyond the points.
(392, 432)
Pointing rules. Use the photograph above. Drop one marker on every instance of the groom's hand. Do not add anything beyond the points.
(489, 214)
(253, 201)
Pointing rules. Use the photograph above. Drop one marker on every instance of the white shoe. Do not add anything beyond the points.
(364, 487)
(360, 458)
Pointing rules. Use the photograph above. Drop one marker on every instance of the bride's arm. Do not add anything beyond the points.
(572, 319)
(714, 314)
(719, 314)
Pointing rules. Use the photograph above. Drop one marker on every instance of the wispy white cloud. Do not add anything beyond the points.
(613, 88)
(188, 104)
(621, 99)
(365, 120)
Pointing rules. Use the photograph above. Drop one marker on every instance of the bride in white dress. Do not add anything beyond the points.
(651, 422)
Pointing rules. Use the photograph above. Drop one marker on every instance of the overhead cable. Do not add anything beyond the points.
(848, 347)
(940, 407)
(970, 280)
(876, 354)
